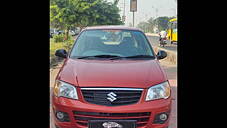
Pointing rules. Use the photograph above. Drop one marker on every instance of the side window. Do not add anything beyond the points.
(174, 27)
(169, 25)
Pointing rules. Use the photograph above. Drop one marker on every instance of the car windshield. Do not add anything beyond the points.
(111, 43)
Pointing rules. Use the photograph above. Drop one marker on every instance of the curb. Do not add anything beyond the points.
(171, 55)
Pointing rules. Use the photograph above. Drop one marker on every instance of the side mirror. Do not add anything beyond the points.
(161, 54)
(61, 53)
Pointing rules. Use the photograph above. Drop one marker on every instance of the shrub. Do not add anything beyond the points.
(68, 43)
(59, 44)
(58, 38)
(53, 47)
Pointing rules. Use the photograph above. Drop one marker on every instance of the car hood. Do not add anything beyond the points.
(112, 73)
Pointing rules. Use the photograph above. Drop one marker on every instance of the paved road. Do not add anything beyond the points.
(154, 40)
(171, 71)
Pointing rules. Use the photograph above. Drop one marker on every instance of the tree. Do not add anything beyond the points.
(151, 23)
(105, 13)
(66, 14)
(162, 22)
(147, 26)
(144, 26)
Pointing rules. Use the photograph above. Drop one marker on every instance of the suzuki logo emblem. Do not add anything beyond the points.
(111, 96)
(111, 125)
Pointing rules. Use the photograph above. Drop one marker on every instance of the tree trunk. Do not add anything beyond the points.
(67, 34)
(81, 28)
(67, 38)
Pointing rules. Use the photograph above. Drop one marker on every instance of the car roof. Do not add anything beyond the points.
(111, 27)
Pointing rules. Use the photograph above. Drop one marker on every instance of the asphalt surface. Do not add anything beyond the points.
(154, 40)
(171, 71)
(169, 68)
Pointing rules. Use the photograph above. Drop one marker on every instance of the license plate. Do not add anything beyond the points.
(112, 124)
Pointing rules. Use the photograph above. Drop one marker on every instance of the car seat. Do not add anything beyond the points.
(127, 47)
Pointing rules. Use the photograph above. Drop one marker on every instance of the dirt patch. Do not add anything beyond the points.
(55, 61)
(171, 55)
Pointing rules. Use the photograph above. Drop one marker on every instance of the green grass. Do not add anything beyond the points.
(53, 48)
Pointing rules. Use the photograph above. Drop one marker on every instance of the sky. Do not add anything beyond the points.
(147, 9)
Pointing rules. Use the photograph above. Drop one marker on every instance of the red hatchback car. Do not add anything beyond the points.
(111, 78)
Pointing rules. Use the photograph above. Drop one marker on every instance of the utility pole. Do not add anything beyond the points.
(133, 19)
(133, 9)
(124, 17)
(124, 9)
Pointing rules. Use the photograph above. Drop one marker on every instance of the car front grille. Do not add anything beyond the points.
(82, 118)
(103, 96)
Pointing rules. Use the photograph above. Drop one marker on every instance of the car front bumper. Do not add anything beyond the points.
(69, 106)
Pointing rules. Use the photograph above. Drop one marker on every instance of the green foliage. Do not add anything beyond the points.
(145, 26)
(58, 38)
(53, 47)
(63, 44)
(65, 14)
(151, 23)
(67, 44)
(161, 22)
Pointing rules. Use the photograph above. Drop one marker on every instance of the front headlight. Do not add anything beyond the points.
(65, 90)
(160, 91)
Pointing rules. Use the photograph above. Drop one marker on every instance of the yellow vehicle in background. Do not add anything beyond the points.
(172, 30)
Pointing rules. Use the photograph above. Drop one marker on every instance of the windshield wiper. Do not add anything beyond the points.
(140, 56)
(97, 56)
(136, 56)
